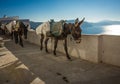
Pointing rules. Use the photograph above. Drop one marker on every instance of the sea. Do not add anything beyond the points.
(105, 27)
(102, 30)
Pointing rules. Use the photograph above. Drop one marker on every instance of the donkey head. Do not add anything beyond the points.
(76, 31)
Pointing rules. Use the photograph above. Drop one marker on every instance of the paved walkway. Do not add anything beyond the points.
(29, 65)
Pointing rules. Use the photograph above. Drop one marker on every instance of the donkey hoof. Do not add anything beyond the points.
(22, 46)
(41, 49)
(69, 59)
(16, 42)
(54, 53)
(47, 51)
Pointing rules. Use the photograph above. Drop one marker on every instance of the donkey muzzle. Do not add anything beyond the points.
(78, 41)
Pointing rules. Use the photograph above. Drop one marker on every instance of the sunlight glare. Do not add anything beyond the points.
(112, 30)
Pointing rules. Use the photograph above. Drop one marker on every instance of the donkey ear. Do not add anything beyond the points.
(83, 18)
(81, 21)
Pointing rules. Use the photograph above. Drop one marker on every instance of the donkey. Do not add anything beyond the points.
(68, 28)
(17, 31)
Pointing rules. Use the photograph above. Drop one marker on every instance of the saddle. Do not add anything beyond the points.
(56, 28)
(16, 27)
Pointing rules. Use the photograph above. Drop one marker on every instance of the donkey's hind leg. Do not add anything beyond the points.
(46, 41)
(16, 36)
(21, 41)
(11, 35)
(55, 45)
(41, 41)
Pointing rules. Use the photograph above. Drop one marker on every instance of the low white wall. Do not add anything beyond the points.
(111, 49)
(87, 49)
(33, 37)
(94, 48)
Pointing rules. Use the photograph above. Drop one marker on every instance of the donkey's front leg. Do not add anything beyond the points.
(55, 45)
(41, 41)
(12, 35)
(16, 36)
(46, 41)
(66, 49)
(21, 41)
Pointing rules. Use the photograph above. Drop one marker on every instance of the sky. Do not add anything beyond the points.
(44, 10)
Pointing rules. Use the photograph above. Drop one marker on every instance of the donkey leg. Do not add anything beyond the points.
(21, 41)
(41, 41)
(16, 36)
(11, 35)
(46, 41)
(55, 46)
(66, 49)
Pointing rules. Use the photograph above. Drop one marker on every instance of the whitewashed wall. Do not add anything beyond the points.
(87, 49)
(111, 49)
(94, 48)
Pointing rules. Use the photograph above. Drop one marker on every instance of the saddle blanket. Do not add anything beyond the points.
(56, 28)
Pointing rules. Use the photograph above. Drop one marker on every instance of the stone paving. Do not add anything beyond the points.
(29, 65)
